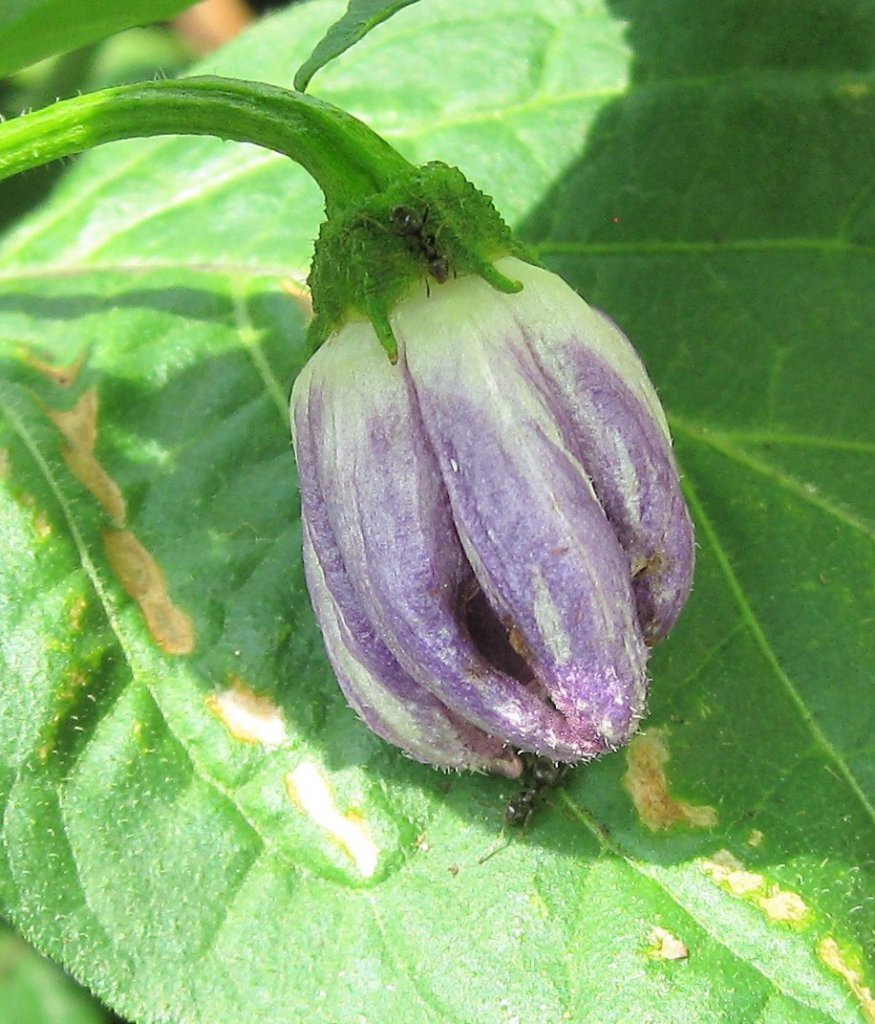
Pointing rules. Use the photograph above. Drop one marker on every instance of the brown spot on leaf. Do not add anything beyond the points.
(62, 376)
(829, 952)
(79, 424)
(645, 781)
(41, 524)
(249, 716)
(79, 427)
(142, 578)
(518, 644)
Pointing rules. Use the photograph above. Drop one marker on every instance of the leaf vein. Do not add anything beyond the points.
(251, 342)
(762, 641)
(680, 247)
(785, 480)
(436, 1010)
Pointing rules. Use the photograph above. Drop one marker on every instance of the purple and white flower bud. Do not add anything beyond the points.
(494, 531)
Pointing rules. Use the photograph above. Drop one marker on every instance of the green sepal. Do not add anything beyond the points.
(429, 225)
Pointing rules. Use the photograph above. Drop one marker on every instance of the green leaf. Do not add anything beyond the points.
(35, 991)
(33, 29)
(359, 18)
(702, 175)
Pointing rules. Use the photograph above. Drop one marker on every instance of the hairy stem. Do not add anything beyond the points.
(347, 160)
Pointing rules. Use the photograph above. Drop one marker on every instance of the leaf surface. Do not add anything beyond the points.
(35, 991)
(192, 863)
(33, 29)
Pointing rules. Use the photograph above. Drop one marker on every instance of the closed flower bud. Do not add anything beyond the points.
(494, 531)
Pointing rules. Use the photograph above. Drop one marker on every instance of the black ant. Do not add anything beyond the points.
(540, 775)
(411, 225)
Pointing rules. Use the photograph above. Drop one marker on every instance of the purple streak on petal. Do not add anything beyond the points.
(382, 494)
(612, 420)
(388, 700)
(536, 536)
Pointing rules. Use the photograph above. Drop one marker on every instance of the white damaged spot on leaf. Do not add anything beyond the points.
(665, 946)
(787, 907)
(829, 952)
(729, 872)
(780, 905)
(79, 428)
(645, 781)
(549, 619)
(142, 578)
(309, 791)
(249, 716)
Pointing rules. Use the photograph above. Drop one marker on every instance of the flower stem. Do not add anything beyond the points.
(347, 160)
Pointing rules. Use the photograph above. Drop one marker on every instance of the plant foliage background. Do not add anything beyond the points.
(701, 172)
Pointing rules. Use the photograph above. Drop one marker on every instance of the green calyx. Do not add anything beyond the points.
(430, 224)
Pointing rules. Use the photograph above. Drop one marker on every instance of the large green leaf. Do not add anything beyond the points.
(33, 29)
(703, 174)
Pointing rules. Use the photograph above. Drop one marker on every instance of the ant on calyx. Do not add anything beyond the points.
(411, 225)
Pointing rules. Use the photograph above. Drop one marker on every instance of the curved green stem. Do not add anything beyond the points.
(347, 160)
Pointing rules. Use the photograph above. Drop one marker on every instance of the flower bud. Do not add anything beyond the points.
(494, 531)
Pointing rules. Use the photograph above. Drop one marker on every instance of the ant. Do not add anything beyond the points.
(540, 774)
(411, 226)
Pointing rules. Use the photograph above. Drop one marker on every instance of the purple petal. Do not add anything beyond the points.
(613, 421)
(386, 698)
(380, 490)
(534, 532)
